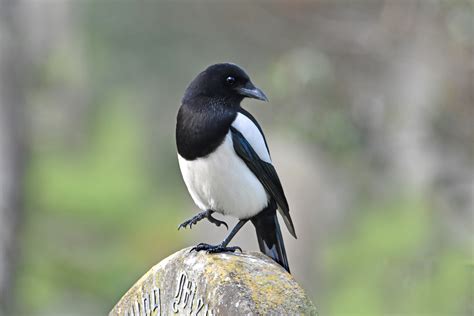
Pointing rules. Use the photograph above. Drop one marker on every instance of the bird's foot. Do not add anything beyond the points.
(206, 214)
(189, 222)
(216, 222)
(215, 248)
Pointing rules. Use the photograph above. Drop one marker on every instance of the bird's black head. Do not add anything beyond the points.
(226, 82)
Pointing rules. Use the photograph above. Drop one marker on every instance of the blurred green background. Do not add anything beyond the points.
(370, 123)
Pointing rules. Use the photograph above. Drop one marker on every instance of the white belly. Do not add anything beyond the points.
(223, 183)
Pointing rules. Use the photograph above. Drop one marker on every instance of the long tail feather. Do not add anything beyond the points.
(270, 239)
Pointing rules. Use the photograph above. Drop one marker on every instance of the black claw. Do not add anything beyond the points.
(189, 222)
(224, 249)
(199, 247)
(217, 222)
(214, 249)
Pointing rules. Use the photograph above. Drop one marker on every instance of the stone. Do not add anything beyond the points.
(198, 283)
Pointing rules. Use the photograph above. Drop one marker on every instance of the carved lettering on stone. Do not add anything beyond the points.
(185, 301)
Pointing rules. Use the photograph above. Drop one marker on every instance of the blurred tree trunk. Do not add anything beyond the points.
(12, 149)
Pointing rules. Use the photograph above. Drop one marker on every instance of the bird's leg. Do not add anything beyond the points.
(222, 247)
(206, 214)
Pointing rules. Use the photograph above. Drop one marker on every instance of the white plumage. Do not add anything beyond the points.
(252, 134)
(222, 182)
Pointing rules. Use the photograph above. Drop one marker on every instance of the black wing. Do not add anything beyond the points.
(265, 173)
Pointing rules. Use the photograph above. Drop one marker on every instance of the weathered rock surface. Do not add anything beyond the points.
(191, 283)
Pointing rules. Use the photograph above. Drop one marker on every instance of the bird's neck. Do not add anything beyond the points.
(201, 129)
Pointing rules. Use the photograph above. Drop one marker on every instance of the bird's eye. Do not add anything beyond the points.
(230, 80)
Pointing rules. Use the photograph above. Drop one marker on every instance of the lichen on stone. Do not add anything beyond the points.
(198, 283)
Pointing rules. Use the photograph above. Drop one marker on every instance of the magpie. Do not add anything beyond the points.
(225, 162)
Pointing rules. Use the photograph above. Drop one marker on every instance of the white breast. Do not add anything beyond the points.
(223, 183)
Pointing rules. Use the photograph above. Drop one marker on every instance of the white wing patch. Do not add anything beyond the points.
(252, 134)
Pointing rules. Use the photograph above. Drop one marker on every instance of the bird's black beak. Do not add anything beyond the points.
(250, 91)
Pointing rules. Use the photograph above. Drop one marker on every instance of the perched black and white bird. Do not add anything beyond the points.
(225, 161)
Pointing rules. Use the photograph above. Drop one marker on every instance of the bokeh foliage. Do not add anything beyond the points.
(393, 259)
(103, 193)
(93, 217)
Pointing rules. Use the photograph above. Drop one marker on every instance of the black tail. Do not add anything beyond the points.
(269, 236)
